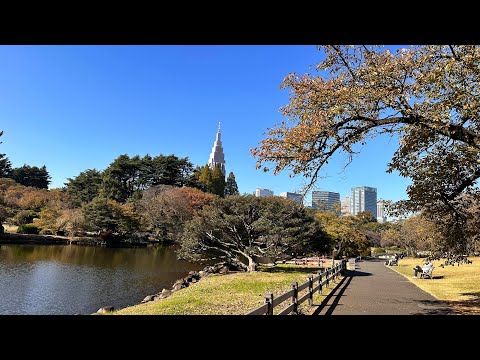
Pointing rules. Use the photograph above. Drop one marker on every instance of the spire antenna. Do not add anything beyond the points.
(219, 126)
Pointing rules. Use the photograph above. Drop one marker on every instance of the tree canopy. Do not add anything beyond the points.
(31, 176)
(126, 177)
(231, 187)
(5, 166)
(84, 187)
(245, 227)
(428, 96)
(212, 181)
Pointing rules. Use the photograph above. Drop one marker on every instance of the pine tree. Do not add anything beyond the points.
(231, 187)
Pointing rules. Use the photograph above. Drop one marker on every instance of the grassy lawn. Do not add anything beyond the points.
(459, 285)
(232, 294)
(10, 228)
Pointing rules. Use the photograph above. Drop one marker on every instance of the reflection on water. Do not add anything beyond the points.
(72, 279)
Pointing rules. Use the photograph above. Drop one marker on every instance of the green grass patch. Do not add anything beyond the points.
(231, 294)
(459, 285)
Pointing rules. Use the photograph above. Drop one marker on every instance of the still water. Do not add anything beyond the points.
(73, 279)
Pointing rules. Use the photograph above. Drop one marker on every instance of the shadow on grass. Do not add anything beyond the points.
(276, 269)
(469, 306)
(436, 307)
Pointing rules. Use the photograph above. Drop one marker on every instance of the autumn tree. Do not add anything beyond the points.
(245, 227)
(204, 176)
(231, 187)
(345, 233)
(218, 182)
(428, 96)
(84, 187)
(213, 180)
(165, 210)
(418, 234)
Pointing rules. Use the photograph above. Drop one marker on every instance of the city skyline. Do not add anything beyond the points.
(76, 108)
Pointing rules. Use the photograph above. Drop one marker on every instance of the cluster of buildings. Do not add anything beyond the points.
(362, 198)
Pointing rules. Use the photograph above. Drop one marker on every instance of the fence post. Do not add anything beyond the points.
(269, 302)
(328, 277)
(310, 290)
(295, 296)
(320, 281)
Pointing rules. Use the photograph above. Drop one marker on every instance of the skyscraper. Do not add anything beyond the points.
(345, 206)
(326, 200)
(363, 198)
(259, 192)
(217, 157)
(381, 218)
(295, 197)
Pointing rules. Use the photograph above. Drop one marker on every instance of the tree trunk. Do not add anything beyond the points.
(252, 266)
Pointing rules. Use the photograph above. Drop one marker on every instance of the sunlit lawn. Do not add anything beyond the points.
(231, 294)
(460, 285)
(10, 228)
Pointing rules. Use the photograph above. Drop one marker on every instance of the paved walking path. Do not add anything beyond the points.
(375, 289)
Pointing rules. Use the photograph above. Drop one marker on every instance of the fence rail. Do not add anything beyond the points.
(323, 278)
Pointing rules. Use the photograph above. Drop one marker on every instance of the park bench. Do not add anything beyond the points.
(391, 262)
(427, 274)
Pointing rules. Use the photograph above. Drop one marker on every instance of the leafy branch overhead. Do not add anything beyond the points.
(426, 95)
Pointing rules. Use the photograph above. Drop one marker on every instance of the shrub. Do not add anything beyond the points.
(24, 217)
(27, 229)
(46, 232)
(376, 251)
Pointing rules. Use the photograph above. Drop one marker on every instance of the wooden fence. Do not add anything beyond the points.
(323, 278)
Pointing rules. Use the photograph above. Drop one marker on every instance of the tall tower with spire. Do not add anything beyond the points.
(216, 157)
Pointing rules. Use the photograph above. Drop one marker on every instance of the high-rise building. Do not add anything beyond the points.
(363, 198)
(326, 200)
(217, 157)
(295, 197)
(259, 192)
(345, 206)
(381, 218)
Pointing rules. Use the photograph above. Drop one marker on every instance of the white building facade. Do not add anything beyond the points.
(217, 157)
(260, 192)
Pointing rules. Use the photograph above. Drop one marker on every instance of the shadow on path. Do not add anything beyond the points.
(337, 292)
(374, 289)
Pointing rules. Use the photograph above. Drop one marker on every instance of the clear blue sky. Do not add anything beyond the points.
(74, 108)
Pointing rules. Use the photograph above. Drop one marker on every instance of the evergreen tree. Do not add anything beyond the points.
(84, 187)
(231, 187)
(5, 166)
(31, 176)
(205, 178)
(218, 182)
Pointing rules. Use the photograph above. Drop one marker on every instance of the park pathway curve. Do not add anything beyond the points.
(374, 289)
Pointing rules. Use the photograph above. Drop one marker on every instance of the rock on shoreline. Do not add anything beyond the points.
(192, 278)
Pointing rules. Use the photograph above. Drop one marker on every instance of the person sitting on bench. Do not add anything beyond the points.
(424, 269)
(393, 261)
